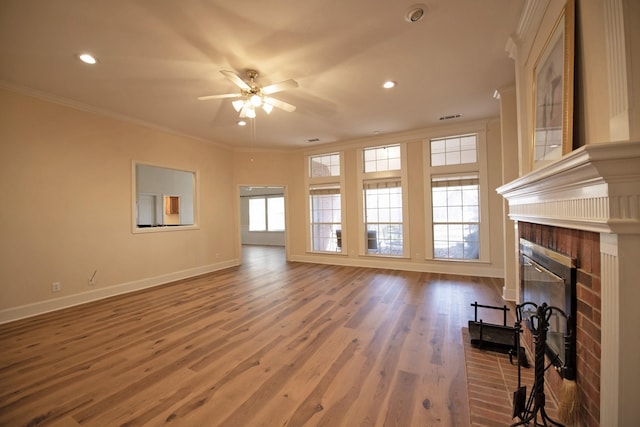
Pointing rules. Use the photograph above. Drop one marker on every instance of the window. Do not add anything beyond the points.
(326, 219)
(382, 200)
(383, 217)
(455, 170)
(266, 213)
(325, 165)
(456, 216)
(275, 213)
(325, 203)
(453, 150)
(380, 159)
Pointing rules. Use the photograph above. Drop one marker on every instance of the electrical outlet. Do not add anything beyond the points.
(56, 287)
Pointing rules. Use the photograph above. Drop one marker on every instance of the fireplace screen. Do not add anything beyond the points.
(549, 277)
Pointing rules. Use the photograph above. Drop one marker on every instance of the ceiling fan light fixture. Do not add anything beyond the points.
(253, 96)
(256, 100)
(238, 104)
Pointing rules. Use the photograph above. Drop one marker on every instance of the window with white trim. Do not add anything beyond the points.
(456, 216)
(383, 198)
(381, 159)
(266, 213)
(454, 180)
(326, 218)
(324, 165)
(454, 150)
(325, 203)
(383, 217)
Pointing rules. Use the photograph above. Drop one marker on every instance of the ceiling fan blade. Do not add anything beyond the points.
(236, 79)
(225, 95)
(277, 87)
(280, 104)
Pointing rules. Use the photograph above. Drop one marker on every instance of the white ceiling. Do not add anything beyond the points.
(157, 56)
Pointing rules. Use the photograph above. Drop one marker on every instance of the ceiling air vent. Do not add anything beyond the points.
(453, 116)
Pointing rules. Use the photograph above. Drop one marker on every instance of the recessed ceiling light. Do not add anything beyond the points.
(389, 84)
(415, 13)
(242, 123)
(87, 58)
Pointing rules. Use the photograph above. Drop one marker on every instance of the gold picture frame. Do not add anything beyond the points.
(553, 75)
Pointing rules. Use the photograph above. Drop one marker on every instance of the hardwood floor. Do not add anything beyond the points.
(269, 343)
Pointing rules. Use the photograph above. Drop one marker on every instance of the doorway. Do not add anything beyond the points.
(263, 216)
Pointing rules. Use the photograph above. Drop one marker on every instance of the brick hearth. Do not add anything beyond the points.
(491, 381)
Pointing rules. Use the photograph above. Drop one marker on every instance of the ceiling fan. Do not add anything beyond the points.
(253, 96)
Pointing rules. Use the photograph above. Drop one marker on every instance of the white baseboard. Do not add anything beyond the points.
(453, 267)
(41, 307)
(509, 294)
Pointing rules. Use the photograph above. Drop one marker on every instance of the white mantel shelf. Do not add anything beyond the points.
(594, 188)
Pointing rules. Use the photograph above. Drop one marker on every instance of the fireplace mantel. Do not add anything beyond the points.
(597, 188)
(594, 188)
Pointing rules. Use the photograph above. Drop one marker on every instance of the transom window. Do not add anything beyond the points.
(380, 159)
(324, 165)
(454, 150)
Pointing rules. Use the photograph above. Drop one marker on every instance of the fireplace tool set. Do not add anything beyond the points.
(533, 408)
(496, 337)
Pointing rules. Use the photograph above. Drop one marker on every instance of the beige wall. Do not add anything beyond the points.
(67, 181)
(609, 103)
(66, 178)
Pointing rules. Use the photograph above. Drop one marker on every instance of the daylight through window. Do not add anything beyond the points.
(455, 216)
(383, 217)
(454, 150)
(325, 203)
(266, 213)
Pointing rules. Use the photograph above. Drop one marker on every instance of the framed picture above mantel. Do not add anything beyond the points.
(553, 76)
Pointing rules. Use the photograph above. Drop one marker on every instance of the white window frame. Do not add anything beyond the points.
(266, 213)
(481, 168)
(327, 182)
(372, 177)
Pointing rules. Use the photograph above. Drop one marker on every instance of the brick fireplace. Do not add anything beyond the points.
(584, 247)
(587, 206)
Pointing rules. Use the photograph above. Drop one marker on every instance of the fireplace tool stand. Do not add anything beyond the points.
(539, 327)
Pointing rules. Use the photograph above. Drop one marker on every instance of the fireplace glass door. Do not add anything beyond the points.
(549, 277)
(542, 286)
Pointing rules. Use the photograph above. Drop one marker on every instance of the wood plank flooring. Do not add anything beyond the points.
(270, 343)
